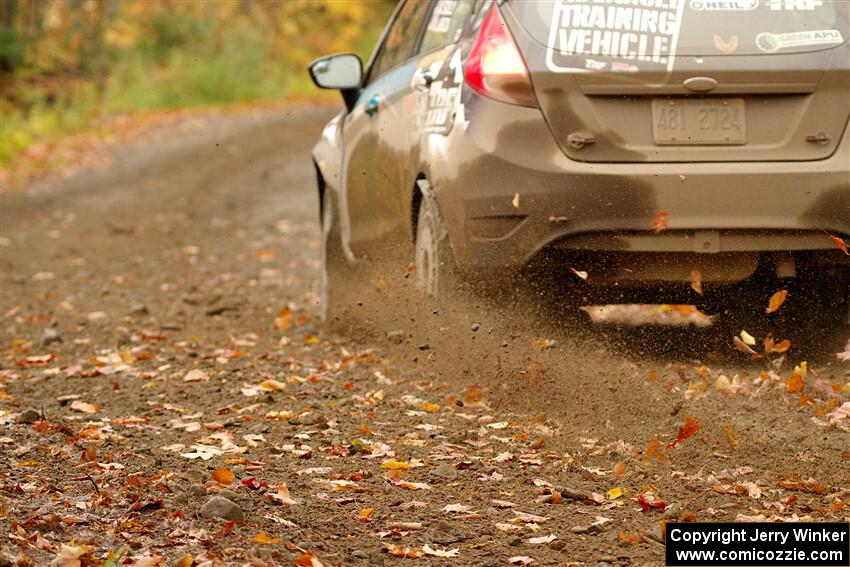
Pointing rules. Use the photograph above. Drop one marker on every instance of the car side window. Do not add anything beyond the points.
(446, 23)
(399, 42)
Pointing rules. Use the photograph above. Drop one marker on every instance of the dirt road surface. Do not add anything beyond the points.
(168, 395)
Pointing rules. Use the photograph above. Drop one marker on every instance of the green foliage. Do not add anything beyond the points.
(66, 64)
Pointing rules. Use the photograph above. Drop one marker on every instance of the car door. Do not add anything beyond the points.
(371, 132)
(421, 102)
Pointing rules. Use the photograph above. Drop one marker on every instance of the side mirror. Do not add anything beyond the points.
(343, 71)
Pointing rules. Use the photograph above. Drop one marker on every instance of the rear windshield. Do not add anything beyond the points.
(649, 33)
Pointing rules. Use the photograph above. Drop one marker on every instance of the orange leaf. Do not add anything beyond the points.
(794, 383)
(406, 552)
(840, 243)
(696, 281)
(365, 515)
(620, 469)
(659, 222)
(776, 300)
(265, 538)
(730, 437)
(653, 450)
(186, 560)
(84, 407)
(690, 427)
(284, 319)
(223, 475)
(305, 560)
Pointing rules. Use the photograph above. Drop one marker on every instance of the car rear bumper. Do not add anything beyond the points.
(508, 193)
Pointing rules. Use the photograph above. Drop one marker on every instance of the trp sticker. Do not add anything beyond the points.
(773, 42)
(644, 34)
(803, 5)
(723, 5)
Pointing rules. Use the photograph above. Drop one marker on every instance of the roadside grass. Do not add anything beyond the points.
(192, 61)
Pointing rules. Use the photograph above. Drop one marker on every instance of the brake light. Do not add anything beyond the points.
(495, 67)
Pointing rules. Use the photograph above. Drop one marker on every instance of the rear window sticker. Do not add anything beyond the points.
(726, 46)
(723, 5)
(631, 32)
(803, 5)
(773, 42)
(442, 100)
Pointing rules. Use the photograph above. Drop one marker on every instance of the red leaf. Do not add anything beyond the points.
(840, 243)
(690, 427)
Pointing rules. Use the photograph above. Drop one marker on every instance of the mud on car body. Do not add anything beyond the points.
(492, 138)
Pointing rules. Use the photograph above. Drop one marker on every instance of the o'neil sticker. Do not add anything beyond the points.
(773, 42)
(724, 5)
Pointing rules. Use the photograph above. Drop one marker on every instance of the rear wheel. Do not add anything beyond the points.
(433, 256)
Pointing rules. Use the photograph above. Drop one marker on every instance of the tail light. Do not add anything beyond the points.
(495, 67)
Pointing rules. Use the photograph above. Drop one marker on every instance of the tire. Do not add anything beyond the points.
(332, 260)
(435, 270)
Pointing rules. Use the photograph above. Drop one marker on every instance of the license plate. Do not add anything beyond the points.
(695, 122)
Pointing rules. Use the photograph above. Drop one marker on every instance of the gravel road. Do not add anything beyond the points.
(168, 395)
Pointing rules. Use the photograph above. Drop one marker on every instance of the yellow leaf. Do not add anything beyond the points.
(429, 407)
(185, 561)
(617, 492)
(365, 515)
(265, 538)
(776, 300)
(272, 385)
(395, 465)
(748, 339)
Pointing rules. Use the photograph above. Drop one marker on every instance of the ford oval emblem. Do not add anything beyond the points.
(699, 84)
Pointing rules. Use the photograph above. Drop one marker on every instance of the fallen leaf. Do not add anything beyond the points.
(689, 428)
(84, 407)
(281, 495)
(283, 321)
(265, 538)
(659, 222)
(521, 560)
(395, 465)
(366, 514)
(401, 551)
(223, 475)
(747, 338)
(196, 375)
(429, 407)
(428, 550)
(272, 385)
(542, 539)
(617, 492)
(776, 301)
(515, 201)
(620, 469)
(653, 450)
(457, 508)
